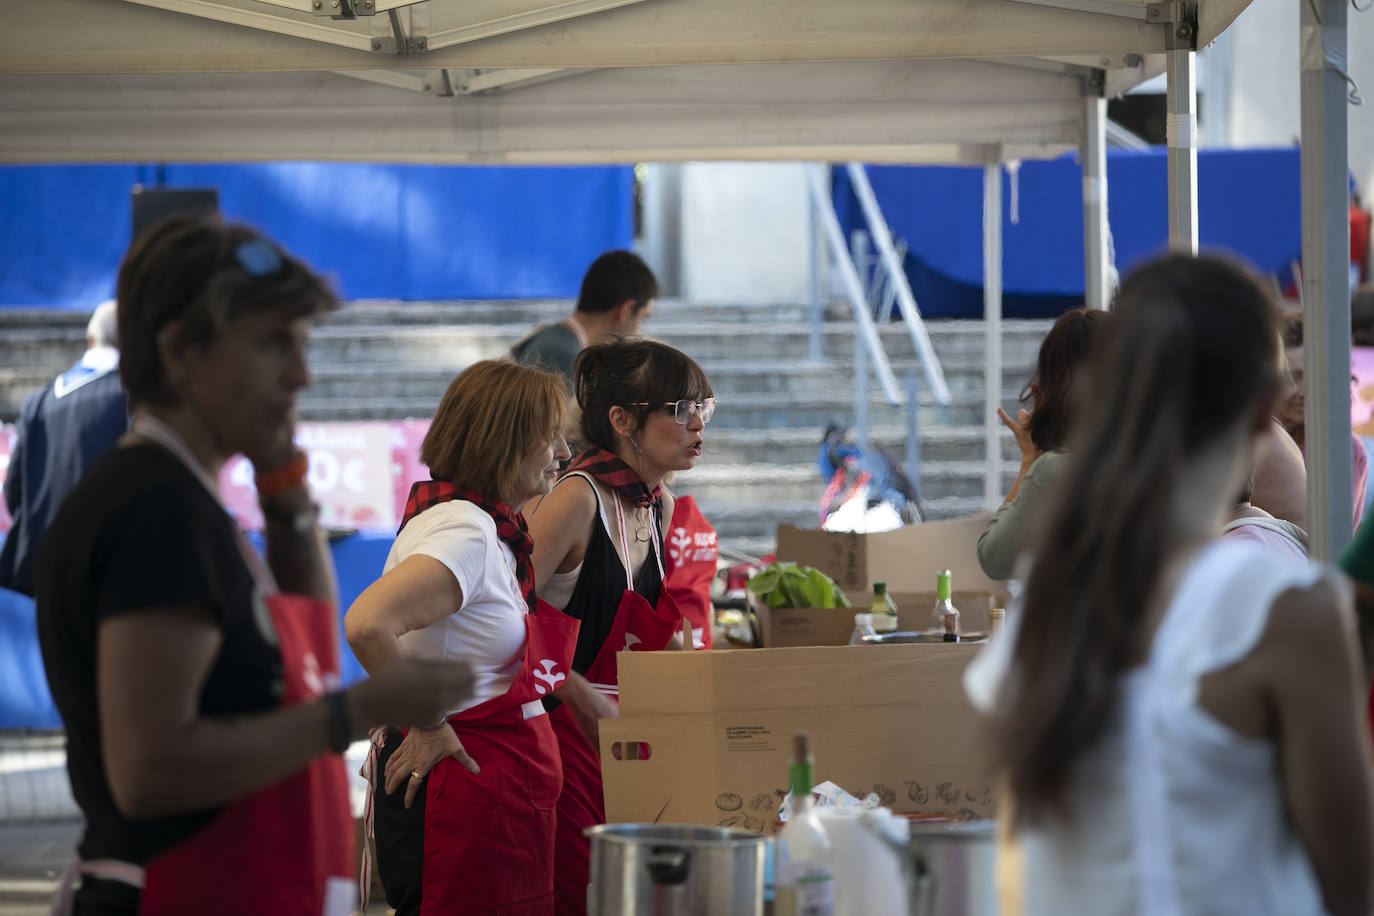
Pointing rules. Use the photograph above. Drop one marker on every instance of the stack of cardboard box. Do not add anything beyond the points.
(704, 737)
(907, 559)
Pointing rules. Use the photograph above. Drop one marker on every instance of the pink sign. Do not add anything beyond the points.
(406, 467)
(350, 477)
(8, 436)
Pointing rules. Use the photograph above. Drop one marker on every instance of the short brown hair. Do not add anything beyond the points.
(493, 415)
(203, 273)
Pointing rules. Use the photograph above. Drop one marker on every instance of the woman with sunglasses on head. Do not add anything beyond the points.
(198, 683)
(599, 555)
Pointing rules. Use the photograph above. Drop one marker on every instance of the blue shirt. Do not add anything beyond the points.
(63, 428)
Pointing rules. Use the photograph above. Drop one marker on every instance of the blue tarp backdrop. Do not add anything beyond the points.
(1248, 204)
(380, 231)
(440, 232)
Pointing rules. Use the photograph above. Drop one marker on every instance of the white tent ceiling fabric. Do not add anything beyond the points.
(619, 80)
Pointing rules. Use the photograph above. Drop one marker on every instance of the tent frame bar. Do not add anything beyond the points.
(1326, 277)
(1120, 8)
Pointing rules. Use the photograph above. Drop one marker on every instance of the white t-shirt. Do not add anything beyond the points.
(1171, 812)
(489, 629)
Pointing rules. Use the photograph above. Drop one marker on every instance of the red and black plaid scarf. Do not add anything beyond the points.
(510, 525)
(608, 468)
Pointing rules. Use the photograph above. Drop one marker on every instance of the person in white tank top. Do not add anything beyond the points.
(1177, 719)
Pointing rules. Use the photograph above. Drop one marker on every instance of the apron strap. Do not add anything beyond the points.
(375, 739)
(605, 523)
(152, 428)
(64, 896)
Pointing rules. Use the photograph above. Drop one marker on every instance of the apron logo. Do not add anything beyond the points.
(548, 673)
(312, 675)
(680, 541)
(631, 640)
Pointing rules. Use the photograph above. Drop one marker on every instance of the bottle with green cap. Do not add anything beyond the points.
(882, 610)
(945, 618)
(805, 856)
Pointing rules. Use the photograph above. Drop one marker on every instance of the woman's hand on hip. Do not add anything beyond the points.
(418, 754)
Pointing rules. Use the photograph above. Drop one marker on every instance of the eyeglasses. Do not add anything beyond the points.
(683, 409)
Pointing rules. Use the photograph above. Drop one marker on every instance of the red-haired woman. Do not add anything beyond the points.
(473, 830)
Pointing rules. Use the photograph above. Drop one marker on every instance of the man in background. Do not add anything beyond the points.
(63, 428)
(617, 294)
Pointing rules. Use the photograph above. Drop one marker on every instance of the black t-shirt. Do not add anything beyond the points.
(140, 532)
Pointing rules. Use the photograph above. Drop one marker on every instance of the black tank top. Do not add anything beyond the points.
(601, 584)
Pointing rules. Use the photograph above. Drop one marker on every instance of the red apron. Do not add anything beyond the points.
(638, 627)
(690, 563)
(489, 837)
(288, 848)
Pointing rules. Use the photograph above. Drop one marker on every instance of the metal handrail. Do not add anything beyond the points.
(906, 301)
(867, 330)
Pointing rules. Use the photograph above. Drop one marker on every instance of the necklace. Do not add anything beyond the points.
(642, 524)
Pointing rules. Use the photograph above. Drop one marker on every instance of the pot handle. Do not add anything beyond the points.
(668, 865)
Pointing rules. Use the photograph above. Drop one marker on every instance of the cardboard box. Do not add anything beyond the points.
(716, 729)
(811, 626)
(907, 558)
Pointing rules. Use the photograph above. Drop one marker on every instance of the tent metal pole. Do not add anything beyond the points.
(1096, 291)
(1325, 277)
(1181, 138)
(992, 331)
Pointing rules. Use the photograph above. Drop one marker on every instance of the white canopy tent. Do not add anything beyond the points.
(524, 81)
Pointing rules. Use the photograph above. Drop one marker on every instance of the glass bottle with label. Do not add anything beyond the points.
(944, 619)
(863, 626)
(883, 610)
(805, 859)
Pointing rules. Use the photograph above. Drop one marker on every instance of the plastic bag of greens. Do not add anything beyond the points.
(787, 585)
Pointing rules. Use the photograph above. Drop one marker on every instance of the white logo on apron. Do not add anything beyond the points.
(680, 541)
(631, 640)
(548, 673)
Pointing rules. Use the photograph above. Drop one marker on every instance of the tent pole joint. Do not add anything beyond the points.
(1181, 18)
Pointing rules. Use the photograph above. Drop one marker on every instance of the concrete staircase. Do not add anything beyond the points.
(385, 360)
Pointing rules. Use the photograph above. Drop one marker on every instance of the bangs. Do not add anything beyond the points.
(673, 375)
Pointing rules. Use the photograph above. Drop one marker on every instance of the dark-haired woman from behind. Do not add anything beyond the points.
(599, 555)
(1177, 717)
(1055, 393)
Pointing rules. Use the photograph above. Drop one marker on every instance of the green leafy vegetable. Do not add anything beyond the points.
(786, 585)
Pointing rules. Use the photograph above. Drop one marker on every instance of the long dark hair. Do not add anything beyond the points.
(1064, 354)
(1194, 345)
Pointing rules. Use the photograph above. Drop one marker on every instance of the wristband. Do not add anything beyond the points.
(443, 720)
(287, 477)
(340, 727)
(301, 521)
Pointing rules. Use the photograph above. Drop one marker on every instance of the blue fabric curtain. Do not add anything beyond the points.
(380, 231)
(1248, 206)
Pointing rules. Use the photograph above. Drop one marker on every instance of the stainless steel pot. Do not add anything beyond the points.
(675, 870)
(952, 869)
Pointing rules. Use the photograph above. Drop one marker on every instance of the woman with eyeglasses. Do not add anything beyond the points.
(198, 681)
(599, 555)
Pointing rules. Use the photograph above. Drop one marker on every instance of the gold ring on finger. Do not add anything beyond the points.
(416, 774)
